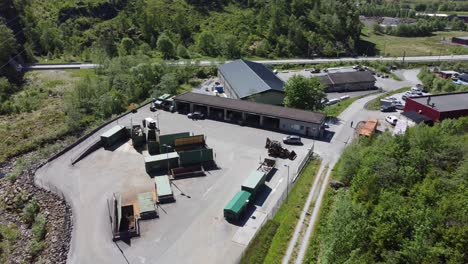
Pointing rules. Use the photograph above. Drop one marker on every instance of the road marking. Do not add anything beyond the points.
(279, 182)
(207, 191)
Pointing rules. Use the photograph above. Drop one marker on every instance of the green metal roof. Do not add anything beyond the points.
(254, 179)
(112, 131)
(166, 156)
(238, 201)
(146, 202)
(163, 185)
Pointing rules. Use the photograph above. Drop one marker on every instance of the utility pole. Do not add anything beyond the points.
(287, 184)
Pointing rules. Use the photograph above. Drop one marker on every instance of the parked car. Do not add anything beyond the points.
(392, 120)
(196, 115)
(389, 108)
(153, 107)
(344, 97)
(398, 105)
(292, 140)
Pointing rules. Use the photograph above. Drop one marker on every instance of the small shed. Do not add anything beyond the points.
(369, 128)
(146, 204)
(253, 183)
(113, 135)
(161, 161)
(237, 205)
(163, 189)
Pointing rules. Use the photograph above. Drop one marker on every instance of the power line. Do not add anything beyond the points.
(8, 22)
(8, 62)
(13, 36)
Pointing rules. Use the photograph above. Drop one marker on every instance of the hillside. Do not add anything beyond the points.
(225, 28)
(405, 200)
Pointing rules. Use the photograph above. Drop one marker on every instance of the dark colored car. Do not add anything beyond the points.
(196, 115)
(153, 107)
(390, 108)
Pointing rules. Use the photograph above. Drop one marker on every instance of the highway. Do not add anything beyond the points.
(427, 59)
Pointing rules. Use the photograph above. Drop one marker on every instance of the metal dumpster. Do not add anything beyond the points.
(197, 156)
(113, 135)
(146, 204)
(237, 206)
(161, 162)
(169, 139)
(163, 189)
(254, 182)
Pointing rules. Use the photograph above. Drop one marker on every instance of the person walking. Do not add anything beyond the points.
(351, 123)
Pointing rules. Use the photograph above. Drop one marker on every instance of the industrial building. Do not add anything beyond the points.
(247, 80)
(266, 116)
(460, 40)
(440, 106)
(348, 81)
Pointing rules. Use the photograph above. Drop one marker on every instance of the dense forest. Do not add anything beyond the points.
(405, 200)
(189, 28)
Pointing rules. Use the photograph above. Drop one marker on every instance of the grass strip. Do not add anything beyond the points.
(269, 246)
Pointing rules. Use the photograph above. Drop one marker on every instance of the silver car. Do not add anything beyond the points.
(292, 140)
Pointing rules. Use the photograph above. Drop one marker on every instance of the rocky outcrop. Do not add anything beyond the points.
(52, 206)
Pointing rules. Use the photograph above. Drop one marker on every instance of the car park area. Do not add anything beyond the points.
(193, 227)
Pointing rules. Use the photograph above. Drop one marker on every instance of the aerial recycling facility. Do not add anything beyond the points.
(181, 154)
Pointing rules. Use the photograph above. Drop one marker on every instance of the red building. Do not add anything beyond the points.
(460, 40)
(440, 106)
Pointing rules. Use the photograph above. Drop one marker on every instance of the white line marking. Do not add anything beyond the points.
(207, 191)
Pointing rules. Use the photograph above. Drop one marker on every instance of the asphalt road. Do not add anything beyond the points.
(428, 59)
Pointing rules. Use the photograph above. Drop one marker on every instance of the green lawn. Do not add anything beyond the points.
(271, 242)
(375, 104)
(336, 109)
(387, 45)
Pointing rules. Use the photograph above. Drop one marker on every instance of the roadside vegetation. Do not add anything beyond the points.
(394, 46)
(375, 103)
(271, 242)
(399, 205)
(437, 85)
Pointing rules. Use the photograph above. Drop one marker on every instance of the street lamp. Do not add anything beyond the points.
(287, 184)
(167, 156)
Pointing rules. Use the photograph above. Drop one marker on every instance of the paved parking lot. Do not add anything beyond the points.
(409, 78)
(193, 229)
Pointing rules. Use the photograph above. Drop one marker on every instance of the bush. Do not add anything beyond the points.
(36, 247)
(30, 211)
(39, 229)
